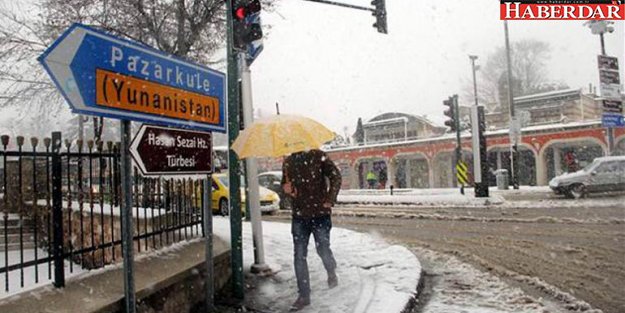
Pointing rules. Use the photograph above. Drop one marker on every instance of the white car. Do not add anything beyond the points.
(602, 175)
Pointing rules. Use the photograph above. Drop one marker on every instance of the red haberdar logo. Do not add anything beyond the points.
(562, 10)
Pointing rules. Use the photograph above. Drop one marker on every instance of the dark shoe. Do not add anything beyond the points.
(300, 303)
(333, 281)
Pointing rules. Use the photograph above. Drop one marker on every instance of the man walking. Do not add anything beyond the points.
(312, 180)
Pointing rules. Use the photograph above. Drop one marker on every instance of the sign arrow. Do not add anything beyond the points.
(103, 75)
(166, 151)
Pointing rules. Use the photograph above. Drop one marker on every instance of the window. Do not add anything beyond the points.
(608, 167)
(264, 181)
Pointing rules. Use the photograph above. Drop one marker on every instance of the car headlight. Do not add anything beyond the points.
(554, 183)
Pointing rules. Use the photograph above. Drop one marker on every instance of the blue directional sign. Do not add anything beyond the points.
(255, 47)
(99, 74)
(613, 120)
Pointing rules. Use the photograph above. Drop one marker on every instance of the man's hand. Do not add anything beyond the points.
(289, 189)
(327, 204)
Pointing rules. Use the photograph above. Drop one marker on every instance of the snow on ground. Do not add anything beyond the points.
(426, 197)
(595, 201)
(30, 282)
(526, 197)
(140, 212)
(458, 287)
(373, 275)
(434, 199)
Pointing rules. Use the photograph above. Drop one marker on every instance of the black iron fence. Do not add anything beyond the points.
(60, 204)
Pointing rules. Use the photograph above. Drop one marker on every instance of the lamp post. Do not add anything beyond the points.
(514, 153)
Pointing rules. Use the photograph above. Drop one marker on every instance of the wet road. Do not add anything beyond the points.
(577, 247)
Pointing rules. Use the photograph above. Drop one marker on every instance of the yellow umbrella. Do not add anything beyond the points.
(280, 135)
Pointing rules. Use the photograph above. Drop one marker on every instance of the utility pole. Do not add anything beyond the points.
(514, 153)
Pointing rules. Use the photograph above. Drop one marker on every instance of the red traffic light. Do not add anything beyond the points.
(239, 13)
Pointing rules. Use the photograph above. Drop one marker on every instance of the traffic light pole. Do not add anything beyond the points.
(233, 163)
(379, 11)
(480, 156)
(345, 5)
(458, 140)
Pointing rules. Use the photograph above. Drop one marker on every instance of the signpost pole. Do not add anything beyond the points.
(208, 233)
(610, 129)
(233, 162)
(126, 217)
(251, 170)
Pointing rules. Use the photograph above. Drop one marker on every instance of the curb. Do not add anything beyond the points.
(414, 301)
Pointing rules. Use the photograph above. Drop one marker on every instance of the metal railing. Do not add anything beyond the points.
(49, 231)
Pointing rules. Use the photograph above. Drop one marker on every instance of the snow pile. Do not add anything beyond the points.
(449, 199)
(32, 280)
(592, 202)
(373, 275)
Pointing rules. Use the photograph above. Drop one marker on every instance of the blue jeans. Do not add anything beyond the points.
(301, 228)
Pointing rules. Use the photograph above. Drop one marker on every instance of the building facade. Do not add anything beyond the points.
(408, 151)
(391, 127)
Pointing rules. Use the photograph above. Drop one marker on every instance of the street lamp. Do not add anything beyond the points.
(600, 28)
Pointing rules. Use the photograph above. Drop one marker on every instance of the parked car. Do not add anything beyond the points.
(273, 180)
(269, 200)
(603, 174)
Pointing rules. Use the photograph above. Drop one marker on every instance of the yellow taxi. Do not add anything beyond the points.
(269, 200)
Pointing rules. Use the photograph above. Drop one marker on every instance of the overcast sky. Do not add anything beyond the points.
(330, 64)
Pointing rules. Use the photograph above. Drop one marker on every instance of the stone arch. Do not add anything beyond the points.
(379, 165)
(499, 158)
(346, 167)
(411, 170)
(619, 145)
(550, 158)
(443, 169)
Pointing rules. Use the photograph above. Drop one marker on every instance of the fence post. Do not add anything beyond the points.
(57, 211)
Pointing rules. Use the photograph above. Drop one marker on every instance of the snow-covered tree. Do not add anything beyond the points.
(529, 60)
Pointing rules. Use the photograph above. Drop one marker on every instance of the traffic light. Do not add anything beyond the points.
(246, 19)
(452, 113)
(380, 15)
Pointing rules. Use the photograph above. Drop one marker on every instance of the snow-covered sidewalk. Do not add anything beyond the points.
(374, 276)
